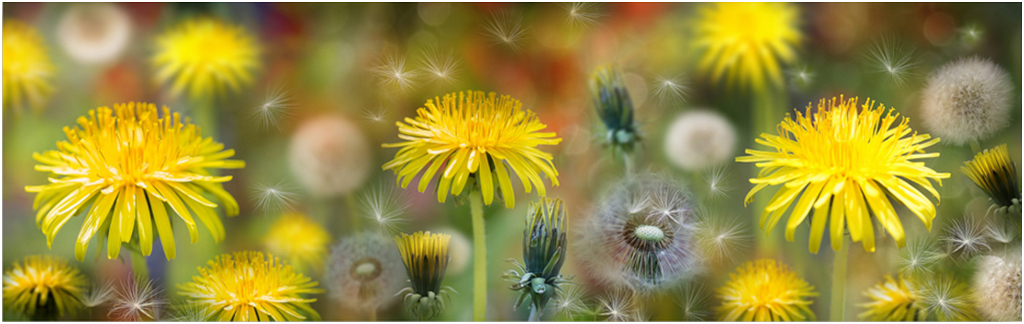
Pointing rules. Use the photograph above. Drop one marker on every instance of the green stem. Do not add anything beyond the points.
(975, 146)
(476, 207)
(206, 117)
(627, 159)
(766, 115)
(534, 314)
(141, 271)
(839, 282)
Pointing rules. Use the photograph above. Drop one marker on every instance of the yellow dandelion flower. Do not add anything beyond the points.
(765, 291)
(475, 136)
(894, 301)
(43, 288)
(747, 41)
(128, 163)
(205, 55)
(299, 239)
(426, 259)
(995, 173)
(250, 287)
(846, 163)
(26, 67)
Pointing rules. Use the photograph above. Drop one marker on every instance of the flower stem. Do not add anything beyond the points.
(476, 207)
(839, 282)
(139, 267)
(534, 314)
(767, 113)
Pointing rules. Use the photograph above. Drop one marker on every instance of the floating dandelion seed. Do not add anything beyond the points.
(719, 237)
(391, 69)
(670, 89)
(966, 237)
(384, 205)
(717, 179)
(894, 59)
(441, 65)
(1002, 230)
(273, 199)
(275, 107)
(800, 76)
(618, 306)
(694, 304)
(948, 298)
(507, 29)
(188, 311)
(918, 258)
(581, 14)
(376, 114)
(570, 302)
(138, 300)
(971, 34)
(98, 294)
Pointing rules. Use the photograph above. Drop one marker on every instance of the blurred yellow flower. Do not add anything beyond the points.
(43, 288)
(299, 239)
(205, 55)
(894, 301)
(26, 66)
(849, 161)
(995, 173)
(747, 41)
(250, 287)
(474, 135)
(765, 291)
(127, 162)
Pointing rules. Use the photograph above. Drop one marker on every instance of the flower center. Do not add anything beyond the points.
(649, 233)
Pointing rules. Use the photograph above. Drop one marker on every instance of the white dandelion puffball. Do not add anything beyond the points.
(698, 139)
(966, 100)
(997, 287)
(94, 33)
(365, 271)
(330, 156)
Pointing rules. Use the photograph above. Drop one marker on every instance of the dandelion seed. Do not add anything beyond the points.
(971, 34)
(618, 306)
(670, 89)
(570, 302)
(966, 237)
(949, 299)
(138, 300)
(720, 237)
(894, 59)
(717, 179)
(98, 294)
(1002, 231)
(392, 71)
(275, 107)
(581, 14)
(507, 29)
(917, 258)
(384, 205)
(694, 304)
(378, 114)
(189, 312)
(441, 66)
(274, 199)
(800, 76)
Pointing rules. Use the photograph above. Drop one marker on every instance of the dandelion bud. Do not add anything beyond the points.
(614, 106)
(995, 173)
(544, 250)
(426, 258)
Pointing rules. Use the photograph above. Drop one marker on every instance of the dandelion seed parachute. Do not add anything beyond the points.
(139, 299)
(949, 298)
(299, 239)
(844, 163)
(94, 33)
(997, 286)
(698, 139)
(27, 69)
(747, 42)
(247, 286)
(365, 272)
(967, 100)
(330, 156)
(128, 180)
(43, 288)
(478, 137)
(765, 291)
(205, 56)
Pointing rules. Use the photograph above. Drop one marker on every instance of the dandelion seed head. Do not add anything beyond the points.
(507, 29)
(698, 139)
(967, 100)
(274, 199)
(94, 33)
(365, 271)
(330, 155)
(275, 107)
(997, 286)
(138, 299)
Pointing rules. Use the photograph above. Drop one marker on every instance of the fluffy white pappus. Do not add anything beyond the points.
(619, 306)
(642, 236)
(966, 237)
(384, 205)
(506, 28)
(330, 156)
(99, 293)
(997, 286)
(966, 100)
(570, 302)
(139, 299)
(365, 272)
(94, 33)
(698, 139)
(721, 237)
